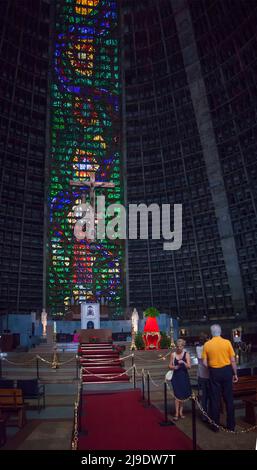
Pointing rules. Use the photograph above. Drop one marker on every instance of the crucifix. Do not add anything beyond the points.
(92, 184)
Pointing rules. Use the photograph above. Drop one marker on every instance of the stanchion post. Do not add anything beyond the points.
(148, 389)
(133, 364)
(165, 402)
(80, 410)
(1, 371)
(166, 422)
(77, 368)
(73, 429)
(134, 377)
(37, 368)
(143, 386)
(193, 424)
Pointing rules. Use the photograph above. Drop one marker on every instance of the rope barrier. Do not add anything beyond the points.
(218, 426)
(77, 404)
(162, 358)
(155, 383)
(44, 360)
(19, 363)
(69, 360)
(34, 358)
(210, 420)
(101, 376)
(137, 373)
(74, 443)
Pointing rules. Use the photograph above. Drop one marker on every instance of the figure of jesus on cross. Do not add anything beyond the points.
(92, 184)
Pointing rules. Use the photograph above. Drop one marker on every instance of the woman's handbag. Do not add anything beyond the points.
(169, 375)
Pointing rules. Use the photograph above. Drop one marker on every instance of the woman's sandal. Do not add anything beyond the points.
(182, 416)
(175, 418)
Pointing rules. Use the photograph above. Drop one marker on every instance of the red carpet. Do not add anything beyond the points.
(101, 364)
(119, 421)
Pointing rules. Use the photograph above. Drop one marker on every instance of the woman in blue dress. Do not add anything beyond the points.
(180, 363)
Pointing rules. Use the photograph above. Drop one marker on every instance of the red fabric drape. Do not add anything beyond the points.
(151, 324)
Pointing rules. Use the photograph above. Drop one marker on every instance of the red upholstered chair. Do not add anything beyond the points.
(151, 335)
(152, 340)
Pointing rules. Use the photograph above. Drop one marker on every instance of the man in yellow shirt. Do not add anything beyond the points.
(219, 357)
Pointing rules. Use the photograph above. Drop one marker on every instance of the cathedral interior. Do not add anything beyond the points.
(134, 102)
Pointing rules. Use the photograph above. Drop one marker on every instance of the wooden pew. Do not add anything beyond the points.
(11, 401)
(2, 432)
(246, 385)
(250, 405)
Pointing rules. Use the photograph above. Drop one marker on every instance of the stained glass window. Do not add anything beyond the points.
(85, 137)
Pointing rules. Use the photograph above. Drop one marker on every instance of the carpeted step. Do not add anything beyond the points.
(102, 359)
(98, 347)
(101, 363)
(95, 345)
(103, 370)
(98, 353)
(91, 378)
(103, 348)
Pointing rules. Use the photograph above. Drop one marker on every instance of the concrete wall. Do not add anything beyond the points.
(21, 324)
